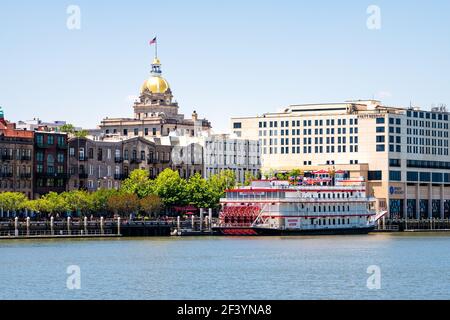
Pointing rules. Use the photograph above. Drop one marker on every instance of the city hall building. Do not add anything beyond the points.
(402, 153)
(155, 113)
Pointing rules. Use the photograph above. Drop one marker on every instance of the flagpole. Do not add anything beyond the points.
(156, 48)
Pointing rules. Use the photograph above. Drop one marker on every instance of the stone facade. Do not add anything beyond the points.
(16, 159)
(96, 164)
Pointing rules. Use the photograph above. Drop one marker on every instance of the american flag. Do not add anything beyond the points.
(153, 41)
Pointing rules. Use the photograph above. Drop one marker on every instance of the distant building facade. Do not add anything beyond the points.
(104, 163)
(16, 158)
(228, 152)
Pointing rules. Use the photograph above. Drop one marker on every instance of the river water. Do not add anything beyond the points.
(406, 266)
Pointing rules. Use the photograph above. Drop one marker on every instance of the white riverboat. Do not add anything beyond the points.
(281, 208)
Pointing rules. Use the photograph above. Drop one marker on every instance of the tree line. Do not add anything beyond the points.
(137, 194)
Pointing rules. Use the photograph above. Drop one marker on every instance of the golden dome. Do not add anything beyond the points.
(156, 61)
(155, 84)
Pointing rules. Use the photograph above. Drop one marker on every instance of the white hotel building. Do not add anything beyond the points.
(403, 154)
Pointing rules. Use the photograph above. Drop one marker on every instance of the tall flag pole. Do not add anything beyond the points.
(155, 42)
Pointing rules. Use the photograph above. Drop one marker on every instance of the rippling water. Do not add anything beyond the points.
(413, 266)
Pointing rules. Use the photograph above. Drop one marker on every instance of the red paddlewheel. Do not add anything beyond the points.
(239, 214)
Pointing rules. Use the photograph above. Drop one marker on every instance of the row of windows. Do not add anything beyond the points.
(19, 154)
(428, 150)
(165, 156)
(428, 133)
(436, 177)
(61, 140)
(50, 183)
(297, 132)
(135, 131)
(310, 150)
(427, 142)
(306, 123)
(428, 164)
(427, 115)
(8, 170)
(330, 222)
(18, 184)
(60, 157)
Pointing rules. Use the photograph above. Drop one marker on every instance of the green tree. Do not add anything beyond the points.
(78, 201)
(171, 188)
(81, 134)
(99, 200)
(12, 201)
(138, 183)
(249, 177)
(199, 192)
(67, 128)
(123, 204)
(151, 204)
(54, 203)
(218, 184)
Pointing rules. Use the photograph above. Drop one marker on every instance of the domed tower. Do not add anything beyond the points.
(156, 96)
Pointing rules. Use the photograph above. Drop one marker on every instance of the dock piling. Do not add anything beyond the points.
(101, 225)
(52, 222)
(68, 225)
(201, 220)
(28, 226)
(16, 226)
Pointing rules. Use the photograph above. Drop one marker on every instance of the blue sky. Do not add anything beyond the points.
(223, 59)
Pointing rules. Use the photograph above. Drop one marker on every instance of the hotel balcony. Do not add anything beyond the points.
(25, 176)
(25, 158)
(152, 161)
(118, 159)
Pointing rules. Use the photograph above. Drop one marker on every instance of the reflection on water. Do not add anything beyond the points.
(413, 266)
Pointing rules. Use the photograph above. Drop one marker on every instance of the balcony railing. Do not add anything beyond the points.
(53, 175)
(42, 145)
(82, 158)
(62, 146)
(25, 158)
(118, 159)
(152, 161)
(25, 175)
(7, 157)
(6, 174)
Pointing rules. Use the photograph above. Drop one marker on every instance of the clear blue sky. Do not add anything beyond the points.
(223, 59)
